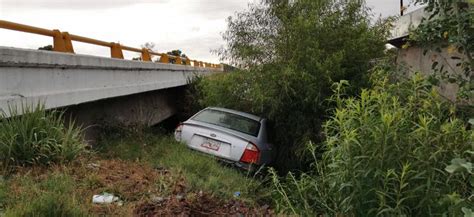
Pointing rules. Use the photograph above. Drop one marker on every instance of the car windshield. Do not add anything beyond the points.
(230, 121)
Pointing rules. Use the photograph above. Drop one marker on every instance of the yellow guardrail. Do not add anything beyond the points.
(62, 42)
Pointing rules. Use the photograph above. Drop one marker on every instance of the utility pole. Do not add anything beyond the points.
(401, 8)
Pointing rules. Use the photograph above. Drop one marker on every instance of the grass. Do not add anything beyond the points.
(3, 193)
(45, 170)
(127, 168)
(201, 172)
(53, 196)
(37, 137)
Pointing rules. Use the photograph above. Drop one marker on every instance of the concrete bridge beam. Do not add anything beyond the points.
(61, 79)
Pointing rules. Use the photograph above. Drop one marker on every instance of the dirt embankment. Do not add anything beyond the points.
(143, 190)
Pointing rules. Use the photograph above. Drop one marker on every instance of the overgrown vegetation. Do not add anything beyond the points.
(292, 51)
(37, 137)
(386, 153)
(200, 172)
(138, 172)
(357, 141)
(449, 28)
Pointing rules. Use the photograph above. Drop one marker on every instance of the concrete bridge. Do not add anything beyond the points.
(95, 90)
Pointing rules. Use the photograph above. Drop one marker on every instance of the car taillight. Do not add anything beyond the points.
(251, 154)
(177, 132)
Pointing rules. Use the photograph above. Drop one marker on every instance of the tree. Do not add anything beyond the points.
(149, 45)
(176, 53)
(293, 51)
(47, 47)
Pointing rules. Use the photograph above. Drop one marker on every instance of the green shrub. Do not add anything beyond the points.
(37, 137)
(386, 154)
(285, 96)
(3, 193)
(292, 51)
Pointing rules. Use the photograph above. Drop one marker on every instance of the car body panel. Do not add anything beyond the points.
(223, 142)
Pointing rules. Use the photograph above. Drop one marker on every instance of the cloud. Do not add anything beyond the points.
(191, 25)
(213, 9)
(73, 4)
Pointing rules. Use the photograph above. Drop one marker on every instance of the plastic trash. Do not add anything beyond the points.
(237, 194)
(104, 198)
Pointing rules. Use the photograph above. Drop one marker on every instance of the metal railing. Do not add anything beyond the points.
(62, 42)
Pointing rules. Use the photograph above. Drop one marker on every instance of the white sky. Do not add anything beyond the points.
(194, 26)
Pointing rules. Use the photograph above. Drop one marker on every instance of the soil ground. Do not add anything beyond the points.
(144, 188)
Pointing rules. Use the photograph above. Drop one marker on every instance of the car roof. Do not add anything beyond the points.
(244, 114)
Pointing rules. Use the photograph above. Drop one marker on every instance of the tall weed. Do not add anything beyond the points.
(386, 153)
(37, 137)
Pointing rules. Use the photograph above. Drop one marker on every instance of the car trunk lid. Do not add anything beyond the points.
(217, 142)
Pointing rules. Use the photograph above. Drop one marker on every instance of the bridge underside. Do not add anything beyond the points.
(128, 112)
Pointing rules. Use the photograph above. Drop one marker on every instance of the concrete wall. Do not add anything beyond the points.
(413, 60)
(61, 79)
(404, 24)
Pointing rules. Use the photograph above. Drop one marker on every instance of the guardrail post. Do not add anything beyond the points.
(68, 42)
(116, 50)
(146, 55)
(164, 58)
(58, 41)
(179, 61)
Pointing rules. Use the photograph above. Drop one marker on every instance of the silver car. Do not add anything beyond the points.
(230, 135)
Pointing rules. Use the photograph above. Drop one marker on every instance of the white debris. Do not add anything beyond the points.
(156, 199)
(93, 166)
(105, 198)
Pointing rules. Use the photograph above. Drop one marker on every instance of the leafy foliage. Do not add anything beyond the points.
(462, 167)
(450, 25)
(386, 156)
(37, 137)
(47, 47)
(292, 52)
(177, 53)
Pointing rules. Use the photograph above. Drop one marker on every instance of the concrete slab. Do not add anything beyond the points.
(61, 79)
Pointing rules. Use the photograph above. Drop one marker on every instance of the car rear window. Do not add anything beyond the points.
(230, 121)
